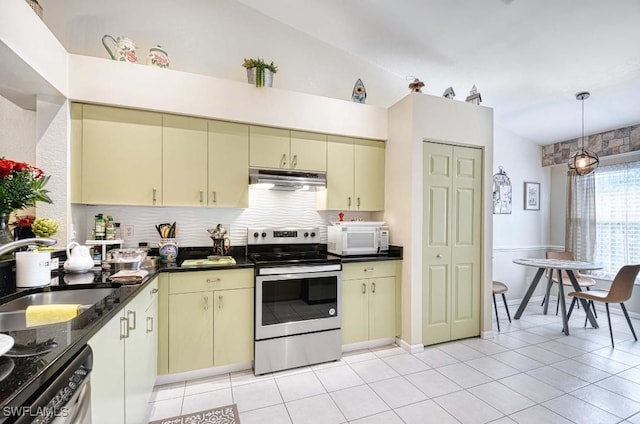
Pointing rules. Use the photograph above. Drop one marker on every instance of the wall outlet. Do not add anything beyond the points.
(128, 231)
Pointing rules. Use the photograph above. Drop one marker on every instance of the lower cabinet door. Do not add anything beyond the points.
(107, 375)
(233, 326)
(190, 331)
(355, 315)
(382, 307)
(140, 359)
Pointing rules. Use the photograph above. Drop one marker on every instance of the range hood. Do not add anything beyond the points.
(287, 180)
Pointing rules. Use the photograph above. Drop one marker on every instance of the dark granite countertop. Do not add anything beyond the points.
(21, 377)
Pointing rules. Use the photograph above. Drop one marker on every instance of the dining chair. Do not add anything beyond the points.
(619, 292)
(583, 282)
(500, 288)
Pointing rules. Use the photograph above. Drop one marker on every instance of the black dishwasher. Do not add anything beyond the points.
(64, 398)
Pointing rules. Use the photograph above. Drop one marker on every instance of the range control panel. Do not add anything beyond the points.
(282, 235)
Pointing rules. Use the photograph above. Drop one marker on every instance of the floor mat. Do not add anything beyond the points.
(223, 415)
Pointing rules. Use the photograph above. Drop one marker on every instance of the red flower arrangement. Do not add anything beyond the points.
(21, 186)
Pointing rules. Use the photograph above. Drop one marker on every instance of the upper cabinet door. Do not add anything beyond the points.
(184, 161)
(308, 151)
(121, 156)
(339, 195)
(268, 147)
(228, 165)
(368, 186)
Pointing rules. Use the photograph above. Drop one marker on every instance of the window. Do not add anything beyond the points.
(617, 217)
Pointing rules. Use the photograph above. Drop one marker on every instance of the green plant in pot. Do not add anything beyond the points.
(260, 72)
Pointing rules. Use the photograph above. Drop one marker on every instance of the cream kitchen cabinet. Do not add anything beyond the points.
(284, 149)
(210, 319)
(184, 147)
(355, 174)
(121, 156)
(369, 301)
(228, 163)
(124, 361)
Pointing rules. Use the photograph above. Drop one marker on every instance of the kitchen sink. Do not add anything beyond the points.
(12, 313)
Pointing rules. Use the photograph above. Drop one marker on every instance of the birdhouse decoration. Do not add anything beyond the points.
(474, 97)
(416, 86)
(359, 94)
(449, 93)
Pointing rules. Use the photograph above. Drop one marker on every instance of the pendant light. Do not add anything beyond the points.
(583, 161)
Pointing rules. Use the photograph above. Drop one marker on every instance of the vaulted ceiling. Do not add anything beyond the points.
(527, 58)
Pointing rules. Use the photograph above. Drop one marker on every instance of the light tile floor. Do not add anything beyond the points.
(528, 373)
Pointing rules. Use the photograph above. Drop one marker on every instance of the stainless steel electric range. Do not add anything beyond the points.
(297, 299)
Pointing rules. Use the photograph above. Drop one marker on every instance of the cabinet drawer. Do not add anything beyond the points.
(149, 293)
(369, 270)
(188, 282)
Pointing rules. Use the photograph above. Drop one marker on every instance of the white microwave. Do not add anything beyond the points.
(361, 239)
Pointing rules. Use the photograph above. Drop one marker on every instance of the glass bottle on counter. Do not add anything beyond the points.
(110, 229)
(100, 227)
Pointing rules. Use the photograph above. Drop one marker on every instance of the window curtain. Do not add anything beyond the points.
(580, 225)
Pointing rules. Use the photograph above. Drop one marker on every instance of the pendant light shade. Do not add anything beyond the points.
(583, 161)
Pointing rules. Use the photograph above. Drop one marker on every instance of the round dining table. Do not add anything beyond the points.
(557, 266)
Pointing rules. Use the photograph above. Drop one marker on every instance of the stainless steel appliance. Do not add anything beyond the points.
(65, 398)
(357, 238)
(298, 287)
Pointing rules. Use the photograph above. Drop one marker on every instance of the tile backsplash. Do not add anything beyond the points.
(267, 208)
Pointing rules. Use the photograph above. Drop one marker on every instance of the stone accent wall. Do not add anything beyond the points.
(614, 142)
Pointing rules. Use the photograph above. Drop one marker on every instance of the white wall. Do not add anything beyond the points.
(523, 233)
(17, 132)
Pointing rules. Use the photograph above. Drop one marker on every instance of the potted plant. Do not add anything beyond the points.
(21, 186)
(259, 72)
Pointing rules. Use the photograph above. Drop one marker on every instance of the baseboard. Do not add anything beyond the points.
(487, 335)
(203, 373)
(417, 348)
(368, 344)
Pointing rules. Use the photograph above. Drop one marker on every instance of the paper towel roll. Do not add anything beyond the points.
(33, 269)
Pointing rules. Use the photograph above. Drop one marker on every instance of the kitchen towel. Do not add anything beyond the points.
(129, 276)
(49, 314)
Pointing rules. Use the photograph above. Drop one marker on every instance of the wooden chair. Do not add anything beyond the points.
(583, 282)
(619, 292)
(500, 288)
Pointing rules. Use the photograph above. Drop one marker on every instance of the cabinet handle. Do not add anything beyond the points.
(206, 303)
(283, 161)
(149, 324)
(358, 203)
(220, 306)
(439, 255)
(154, 291)
(294, 161)
(154, 196)
(215, 197)
(213, 280)
(124, 329)
(373, 287)
(201, 196)
(364, 288)
(131, 314)
(349, 201)
(368, 270)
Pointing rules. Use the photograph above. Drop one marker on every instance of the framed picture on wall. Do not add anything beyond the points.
(531, 196)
